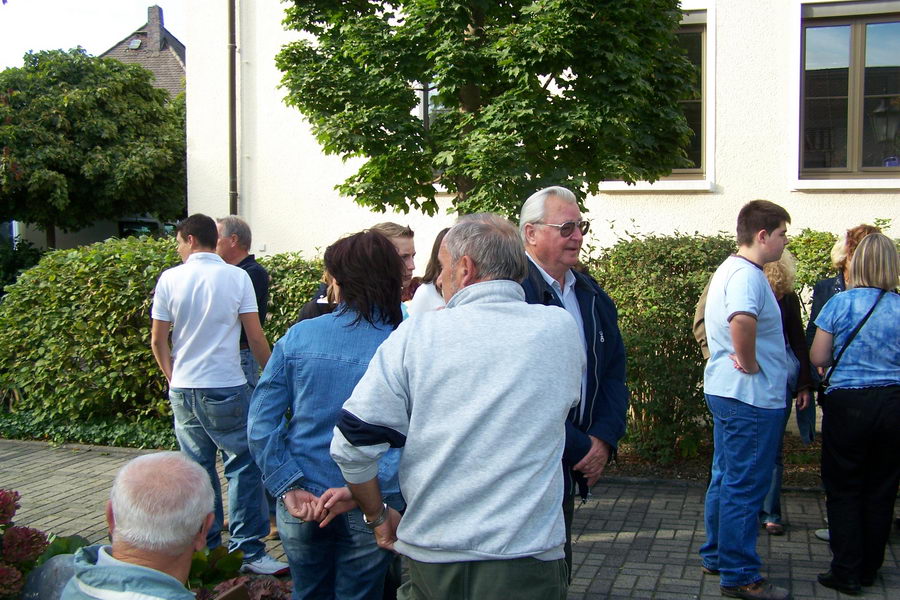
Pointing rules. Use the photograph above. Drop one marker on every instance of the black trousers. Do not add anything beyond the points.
(861, 472)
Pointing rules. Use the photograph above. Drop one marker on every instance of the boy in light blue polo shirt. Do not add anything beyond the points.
(744, 384)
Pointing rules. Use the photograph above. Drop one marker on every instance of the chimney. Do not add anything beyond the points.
(154, 28)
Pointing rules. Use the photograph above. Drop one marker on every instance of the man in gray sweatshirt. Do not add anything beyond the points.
(477, 394)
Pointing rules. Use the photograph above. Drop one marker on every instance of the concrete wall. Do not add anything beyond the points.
(286, 183)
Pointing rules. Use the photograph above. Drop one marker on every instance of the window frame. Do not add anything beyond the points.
(696, 172)
(820, 10)
(696, 15)
(856, 118)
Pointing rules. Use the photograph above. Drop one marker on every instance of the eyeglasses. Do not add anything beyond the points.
(568, 228)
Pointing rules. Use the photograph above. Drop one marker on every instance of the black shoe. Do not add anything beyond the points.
(849, 587)
(867, 581)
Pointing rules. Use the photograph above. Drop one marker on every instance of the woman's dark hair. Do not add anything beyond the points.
(434, 266)
(369, 273)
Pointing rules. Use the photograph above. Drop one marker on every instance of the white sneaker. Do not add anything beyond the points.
(265, 565)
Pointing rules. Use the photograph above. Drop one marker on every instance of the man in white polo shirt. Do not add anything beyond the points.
(744, 383)
(205, 301)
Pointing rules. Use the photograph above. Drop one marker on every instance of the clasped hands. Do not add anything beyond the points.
(333, 502)
(309, 507)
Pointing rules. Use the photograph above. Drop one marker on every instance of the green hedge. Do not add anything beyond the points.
(812, 249)
(655, 282)
(75, 329)
(293, 282)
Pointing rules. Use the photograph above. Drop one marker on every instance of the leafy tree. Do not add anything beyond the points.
(528, 94)
(84, 139)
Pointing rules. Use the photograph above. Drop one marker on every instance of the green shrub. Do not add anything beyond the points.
(75, 340)
(15, 258)
(75, 331)
(812, 249)
(293, 282)
(147, 432)
(655, 282)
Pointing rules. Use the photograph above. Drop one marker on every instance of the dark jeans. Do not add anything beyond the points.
(861, 472)
(521, 578)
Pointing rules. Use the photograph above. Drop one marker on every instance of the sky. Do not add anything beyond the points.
(94, 25)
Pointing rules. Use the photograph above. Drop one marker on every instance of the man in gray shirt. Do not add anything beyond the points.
(477, 395)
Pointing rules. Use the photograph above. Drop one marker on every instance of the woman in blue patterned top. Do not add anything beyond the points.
(861, 413)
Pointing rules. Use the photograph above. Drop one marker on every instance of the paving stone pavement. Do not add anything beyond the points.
(634, 539)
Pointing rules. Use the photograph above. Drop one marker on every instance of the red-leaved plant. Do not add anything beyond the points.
(20, 547)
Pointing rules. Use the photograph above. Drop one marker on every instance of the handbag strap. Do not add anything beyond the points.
(850, 339)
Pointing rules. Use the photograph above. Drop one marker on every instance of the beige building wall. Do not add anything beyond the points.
(752, 120)
(286, 183)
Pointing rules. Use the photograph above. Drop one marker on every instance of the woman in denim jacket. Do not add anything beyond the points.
(295, 407)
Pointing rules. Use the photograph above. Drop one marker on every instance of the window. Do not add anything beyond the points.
(429, 107)
(850, 96)
(696, 35)
(692, 39)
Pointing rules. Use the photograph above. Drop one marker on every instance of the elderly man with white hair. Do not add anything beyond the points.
(553, 230)
(159, 511)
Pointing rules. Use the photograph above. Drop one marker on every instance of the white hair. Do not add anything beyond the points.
(159, 502)
(533, 210)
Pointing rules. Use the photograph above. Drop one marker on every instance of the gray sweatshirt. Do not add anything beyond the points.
(477, 394)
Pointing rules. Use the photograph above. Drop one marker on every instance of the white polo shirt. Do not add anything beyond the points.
(202, 299)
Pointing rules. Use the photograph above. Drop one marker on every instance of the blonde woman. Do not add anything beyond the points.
(858, 335)
(782, 275)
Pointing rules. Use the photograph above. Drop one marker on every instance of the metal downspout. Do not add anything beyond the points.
(232, 111)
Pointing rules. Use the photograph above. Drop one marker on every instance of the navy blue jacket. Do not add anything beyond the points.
(606, 400)
(259, 277)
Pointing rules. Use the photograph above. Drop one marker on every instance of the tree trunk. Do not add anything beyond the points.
(50, 230)
(470, 93)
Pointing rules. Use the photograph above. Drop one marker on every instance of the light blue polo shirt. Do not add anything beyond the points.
(739, 286)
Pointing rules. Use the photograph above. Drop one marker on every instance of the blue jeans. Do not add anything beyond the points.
(745, 439)
(250, 367)
(209, 421)
(771, 510)
(339, 561)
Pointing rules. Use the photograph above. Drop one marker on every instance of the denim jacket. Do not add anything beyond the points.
(312, 371)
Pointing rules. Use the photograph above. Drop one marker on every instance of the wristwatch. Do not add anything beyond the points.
(379, 519)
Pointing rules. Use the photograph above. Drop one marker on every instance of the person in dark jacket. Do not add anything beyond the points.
(234, 248)
(552, 230)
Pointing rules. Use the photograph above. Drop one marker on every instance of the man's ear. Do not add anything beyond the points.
(529, 231)
(110, 518)
(469, 272)
(761, 236)
(200, 538)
